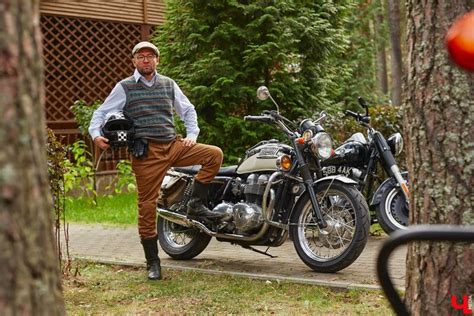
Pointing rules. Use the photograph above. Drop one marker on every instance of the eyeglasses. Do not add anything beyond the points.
(141, 58)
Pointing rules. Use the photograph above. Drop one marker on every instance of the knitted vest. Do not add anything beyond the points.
(150, 108)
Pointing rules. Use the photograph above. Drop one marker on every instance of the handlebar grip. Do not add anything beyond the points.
(259, 118)
(353, 114)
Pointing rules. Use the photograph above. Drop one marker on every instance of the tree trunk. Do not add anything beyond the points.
(381, 56)
(393, 7)
(30, 282)
(439, 104)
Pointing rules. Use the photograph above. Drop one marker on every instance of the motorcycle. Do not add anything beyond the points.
(358, 158)
(270, 196)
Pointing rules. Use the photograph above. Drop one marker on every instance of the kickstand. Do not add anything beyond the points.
(259, 251)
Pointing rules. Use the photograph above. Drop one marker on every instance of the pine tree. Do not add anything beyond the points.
(220, 51)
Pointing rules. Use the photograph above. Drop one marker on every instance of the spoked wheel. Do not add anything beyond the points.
(339, 244)
(392, 214)
(181, 242)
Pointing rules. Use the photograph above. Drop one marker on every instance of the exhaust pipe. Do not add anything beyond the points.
(183, 221)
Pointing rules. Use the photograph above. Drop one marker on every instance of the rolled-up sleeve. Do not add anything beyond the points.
(114, 102)
(186, 111)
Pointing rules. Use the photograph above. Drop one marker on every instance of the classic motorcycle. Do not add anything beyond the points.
(358, 158)
(270, 194)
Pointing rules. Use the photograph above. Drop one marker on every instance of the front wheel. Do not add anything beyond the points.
(392, 213)
(180, 242)
(339, 244)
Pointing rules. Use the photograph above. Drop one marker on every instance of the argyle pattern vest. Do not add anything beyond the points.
(150, 108)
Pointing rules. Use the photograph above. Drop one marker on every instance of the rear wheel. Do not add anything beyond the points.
(180, 242)
(339, 244)
(392, 214)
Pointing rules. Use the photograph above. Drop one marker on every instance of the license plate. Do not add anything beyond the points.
(333, 170)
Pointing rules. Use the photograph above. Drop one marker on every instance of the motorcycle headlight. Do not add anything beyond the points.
(395, 142)
(322, 146)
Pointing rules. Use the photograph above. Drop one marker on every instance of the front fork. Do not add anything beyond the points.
(309, 182)
(389, 161)
(401, 181)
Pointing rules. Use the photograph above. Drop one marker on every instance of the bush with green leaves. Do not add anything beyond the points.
(80, 170)
(83, 114)
(125, 179)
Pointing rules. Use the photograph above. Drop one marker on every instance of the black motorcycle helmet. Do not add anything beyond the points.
(118, 129)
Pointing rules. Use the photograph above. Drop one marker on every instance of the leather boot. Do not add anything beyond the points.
(197, 206)
(150, 246)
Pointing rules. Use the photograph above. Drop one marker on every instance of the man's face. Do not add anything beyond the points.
(145, 61)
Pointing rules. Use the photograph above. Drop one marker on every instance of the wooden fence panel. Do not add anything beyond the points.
(83, 60)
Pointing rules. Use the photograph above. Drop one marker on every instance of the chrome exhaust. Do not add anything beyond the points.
(182, 220)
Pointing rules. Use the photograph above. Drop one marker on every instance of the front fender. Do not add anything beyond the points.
(334, 178)
(387, 184)
(338, 178)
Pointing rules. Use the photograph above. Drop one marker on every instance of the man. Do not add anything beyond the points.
(148, 99)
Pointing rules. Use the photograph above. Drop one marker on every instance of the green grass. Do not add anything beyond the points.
(103, 289)
(116, 209)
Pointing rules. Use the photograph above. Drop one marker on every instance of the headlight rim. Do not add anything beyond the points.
(395, 142)
(316, 144)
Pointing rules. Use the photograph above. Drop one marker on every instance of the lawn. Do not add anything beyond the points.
(116, 209)
(106, 289)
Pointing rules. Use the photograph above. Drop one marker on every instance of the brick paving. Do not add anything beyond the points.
(120, 245)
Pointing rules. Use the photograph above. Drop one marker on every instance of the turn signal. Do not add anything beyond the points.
(284, 163)
(300, 140)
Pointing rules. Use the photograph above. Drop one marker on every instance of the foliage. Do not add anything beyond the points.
(83, 114)
(359, 58)
(125, 178)
(80, 171)
(221, 51)
(56, 170)
(121, 290)
(386, 119)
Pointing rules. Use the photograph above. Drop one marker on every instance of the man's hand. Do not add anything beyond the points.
(188, 142)
(102, 142)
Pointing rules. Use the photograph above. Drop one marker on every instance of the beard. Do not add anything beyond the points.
(146, 70)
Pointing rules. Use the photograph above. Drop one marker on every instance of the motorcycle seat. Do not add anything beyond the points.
(223, 171)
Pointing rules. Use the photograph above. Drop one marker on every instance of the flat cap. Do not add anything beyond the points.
(145, 44)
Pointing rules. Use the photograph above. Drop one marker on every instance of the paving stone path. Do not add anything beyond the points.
(120, 245)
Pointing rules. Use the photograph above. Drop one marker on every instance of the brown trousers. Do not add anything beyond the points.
(150, 172)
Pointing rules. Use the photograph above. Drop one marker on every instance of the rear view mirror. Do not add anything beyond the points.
(263, 93)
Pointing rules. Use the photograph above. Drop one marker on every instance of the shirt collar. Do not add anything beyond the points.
(137, 76)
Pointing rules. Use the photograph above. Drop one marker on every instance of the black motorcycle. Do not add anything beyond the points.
(271, 194)
(358, 158)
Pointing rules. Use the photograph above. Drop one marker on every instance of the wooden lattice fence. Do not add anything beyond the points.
(83, 60)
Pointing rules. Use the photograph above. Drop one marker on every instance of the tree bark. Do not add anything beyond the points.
(30, 281)
(439, 116)
(381, 47)
(393, 7)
